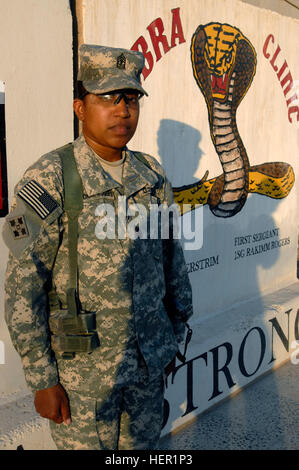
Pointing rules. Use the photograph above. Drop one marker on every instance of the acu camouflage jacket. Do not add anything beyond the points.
(123, 280)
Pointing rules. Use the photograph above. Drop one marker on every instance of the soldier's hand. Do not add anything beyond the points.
(52, 403)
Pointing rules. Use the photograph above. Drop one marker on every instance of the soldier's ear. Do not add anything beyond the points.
(79, 108)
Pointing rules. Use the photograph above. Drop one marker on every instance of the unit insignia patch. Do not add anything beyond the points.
(18, 227)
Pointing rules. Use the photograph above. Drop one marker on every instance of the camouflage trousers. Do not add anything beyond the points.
(127, 418)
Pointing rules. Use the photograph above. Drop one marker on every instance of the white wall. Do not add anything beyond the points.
(234, 298)
(280, 6)
(36, 66)
(174, 128)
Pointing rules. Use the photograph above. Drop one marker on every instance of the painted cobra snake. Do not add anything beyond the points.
(224, 65)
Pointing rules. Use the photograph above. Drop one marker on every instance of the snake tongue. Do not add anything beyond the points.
(219, 85)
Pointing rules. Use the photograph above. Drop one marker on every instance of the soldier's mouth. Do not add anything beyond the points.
(120, 129)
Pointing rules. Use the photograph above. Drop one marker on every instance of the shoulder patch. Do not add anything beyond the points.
(18, 227)
(38, 199)
(23, 225)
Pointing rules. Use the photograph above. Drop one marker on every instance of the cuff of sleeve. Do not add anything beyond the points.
(41, 375)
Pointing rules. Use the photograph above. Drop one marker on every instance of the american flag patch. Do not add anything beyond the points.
(38, 199)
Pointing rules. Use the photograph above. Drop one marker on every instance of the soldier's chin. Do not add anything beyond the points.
(123, 139)
(120, 141)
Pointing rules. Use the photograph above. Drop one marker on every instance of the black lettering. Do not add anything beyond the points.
(241, 352)
(239, 253)
(190, 406)
(205, 263)
(224, 369)
(285, 340)
(201, 261)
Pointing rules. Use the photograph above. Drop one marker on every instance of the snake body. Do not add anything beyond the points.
(224, 65)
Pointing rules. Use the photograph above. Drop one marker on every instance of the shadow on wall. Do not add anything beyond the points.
(179, 150)
(180, 153)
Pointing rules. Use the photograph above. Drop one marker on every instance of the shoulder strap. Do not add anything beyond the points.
(73, 192)
(73, 204)
(142, 159)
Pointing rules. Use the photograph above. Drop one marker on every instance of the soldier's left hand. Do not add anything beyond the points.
(52, 403)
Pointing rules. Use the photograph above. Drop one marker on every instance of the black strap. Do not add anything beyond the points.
(142, 159)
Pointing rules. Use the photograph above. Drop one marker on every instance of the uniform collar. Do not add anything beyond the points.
(136, 175)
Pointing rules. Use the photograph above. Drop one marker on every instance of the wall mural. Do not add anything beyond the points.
(224, 65)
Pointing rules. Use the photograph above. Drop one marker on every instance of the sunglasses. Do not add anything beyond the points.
(114, 98)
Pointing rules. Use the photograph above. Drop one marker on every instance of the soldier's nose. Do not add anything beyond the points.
(122, 107)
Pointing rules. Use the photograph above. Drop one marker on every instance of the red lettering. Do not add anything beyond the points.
(293, 109)
(177, 30)
(287, 79)
(141, 45)
(266, 54)
(158, 38)
(156, 29)
(293, 98)
(282, 69)
(287, 82)
(274, 58)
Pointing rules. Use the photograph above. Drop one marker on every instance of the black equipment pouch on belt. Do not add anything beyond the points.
(73, 331)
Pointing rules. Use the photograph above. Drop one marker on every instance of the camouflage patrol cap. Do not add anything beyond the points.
(104, 69)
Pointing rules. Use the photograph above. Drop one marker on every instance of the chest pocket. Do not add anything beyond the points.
(94, 209)
(96, 225)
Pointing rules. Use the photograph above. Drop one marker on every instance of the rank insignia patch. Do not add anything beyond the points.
(38, 199)
(18, 227)
(121, 61)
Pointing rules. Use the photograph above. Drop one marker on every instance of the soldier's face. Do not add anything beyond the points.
(109, 126)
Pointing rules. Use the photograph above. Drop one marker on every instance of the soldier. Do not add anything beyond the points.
(101, 387)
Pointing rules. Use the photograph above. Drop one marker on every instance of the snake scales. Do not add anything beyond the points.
(224, 65)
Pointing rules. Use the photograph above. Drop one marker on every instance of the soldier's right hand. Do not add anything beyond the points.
(52, 403)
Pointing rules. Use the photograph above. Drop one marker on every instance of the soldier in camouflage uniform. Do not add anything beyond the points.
(111, 398)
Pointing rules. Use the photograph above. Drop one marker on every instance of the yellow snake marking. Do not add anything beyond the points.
(260, 183)
(221, 47)
(220, 50)
(276, 188)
